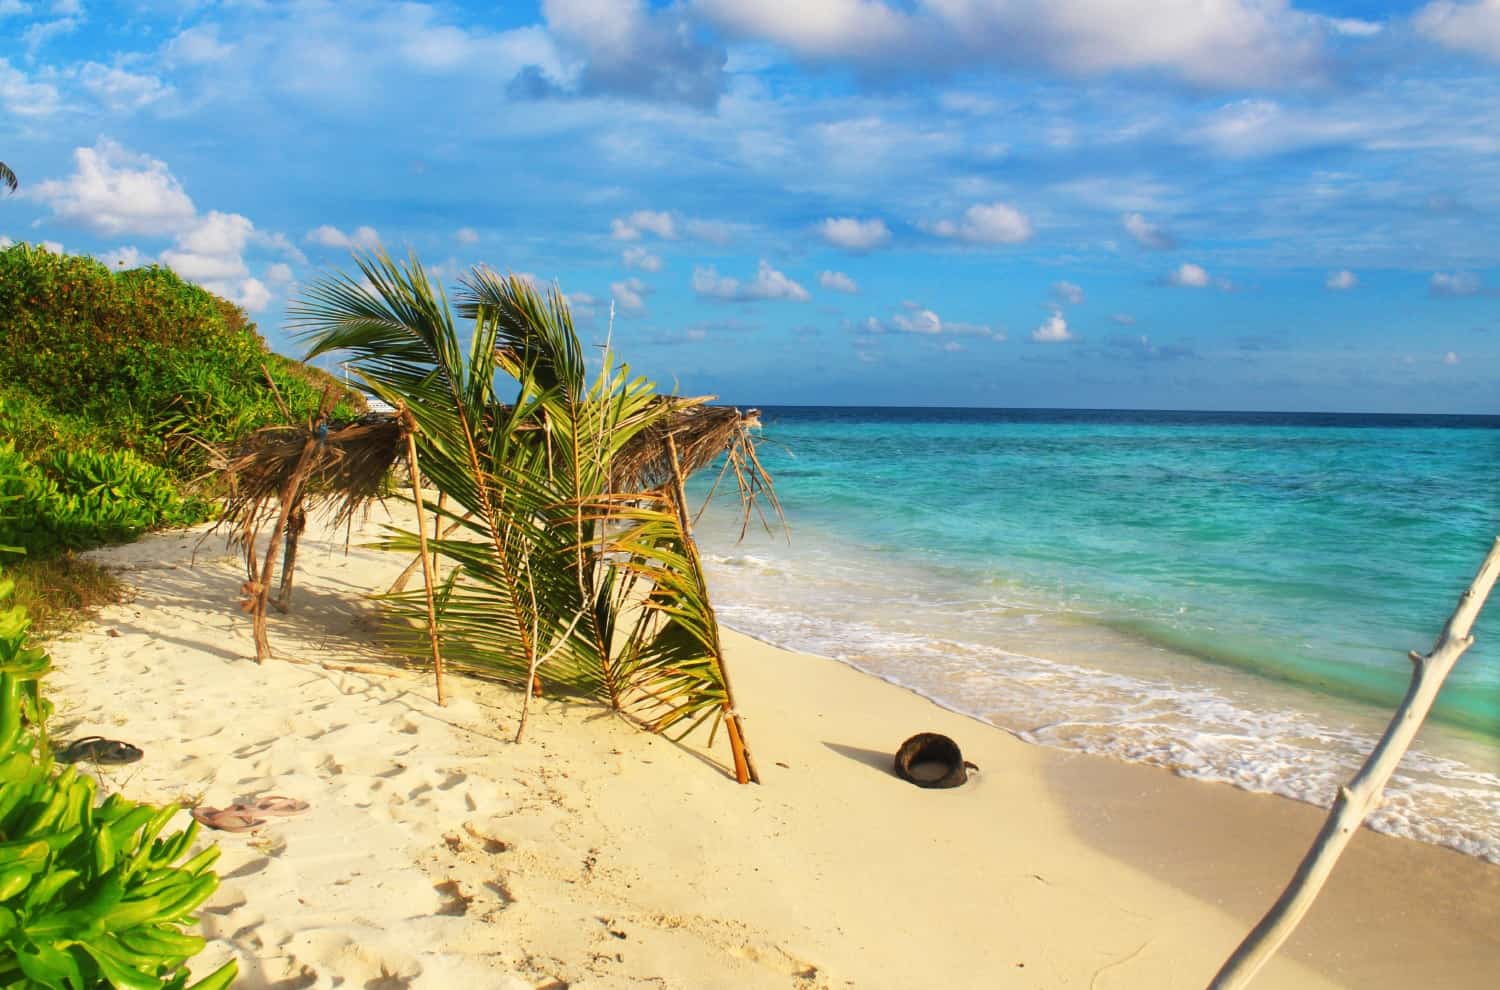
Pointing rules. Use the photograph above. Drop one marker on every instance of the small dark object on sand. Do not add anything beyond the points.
(97, 749)
(928, 759)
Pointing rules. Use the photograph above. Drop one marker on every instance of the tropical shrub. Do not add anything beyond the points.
(153, 362)
(90, 897)
(79, 499)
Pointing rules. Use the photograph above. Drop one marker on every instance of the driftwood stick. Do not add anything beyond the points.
(1356, 799)
(416, 493)
(744, 765)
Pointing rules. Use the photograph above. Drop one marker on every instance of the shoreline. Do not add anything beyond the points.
(596, 855)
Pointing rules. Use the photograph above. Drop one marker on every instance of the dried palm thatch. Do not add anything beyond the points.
(352, 460)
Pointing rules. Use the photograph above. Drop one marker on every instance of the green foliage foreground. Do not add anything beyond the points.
(89, 896)
(557, 569)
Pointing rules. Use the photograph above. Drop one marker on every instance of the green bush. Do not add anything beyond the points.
(138, 360)
(90, 897)
(74, 500)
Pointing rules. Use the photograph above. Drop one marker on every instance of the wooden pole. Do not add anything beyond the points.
(295, 524)
(744, 765)
(410, 425)
(261, 589)
(1355, 800)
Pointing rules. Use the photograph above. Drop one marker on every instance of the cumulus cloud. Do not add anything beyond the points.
(1147, 234)
(838, 282)
(1054, 330)
(629, 49)
(1341, 281)
(329, 236)
(1455, 284)
(114, 191)
(197, 45)
(649, 221)
(639, 257)
(768, 283)
(853, 234)
(914, 318)
(1190, 276)
(1226, 43)
(630, 296)
(1472, 27)
(583, 305)
(466, 235)
(987, 223)
(1067, 292)
(24, 98)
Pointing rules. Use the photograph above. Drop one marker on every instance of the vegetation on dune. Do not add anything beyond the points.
(118, 388)
(562, 571)
(90, 896)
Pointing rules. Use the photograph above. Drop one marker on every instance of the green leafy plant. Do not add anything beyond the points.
(90, 897)
(562, 570)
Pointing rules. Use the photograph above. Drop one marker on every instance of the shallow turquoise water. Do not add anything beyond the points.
(1197, 582)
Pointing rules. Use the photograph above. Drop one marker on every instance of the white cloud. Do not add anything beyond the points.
(639, 257)
(582, 305)
(119, 90)
(627, 47)
(328, 236)
(198, 45)
(13, 8)
(211, 251)
(125, 257)
(25, 98)
(767, 284)
(1341, 281)
(466, 235)
(630, 296)
(279, 273)
(41, 32)
(1189, 275)
(115, 191)
(1220, 43)
(1147, 234)
(1352, 27)
(713, 231)
(1067, 292)
(1455, 284)
(1467, 27)
(54, 247)
(253, 295)
(650, 221)
(923, 321)
(854, 234)
(987, 223)
(1053, 331)
(6, 242)
(838, 282)
(1450, 358)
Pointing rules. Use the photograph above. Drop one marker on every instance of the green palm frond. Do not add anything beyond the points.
(8, 178)
(557, 568)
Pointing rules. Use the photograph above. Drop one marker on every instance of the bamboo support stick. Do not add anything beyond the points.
(1356, 799)
(416, 494)
(744, 765)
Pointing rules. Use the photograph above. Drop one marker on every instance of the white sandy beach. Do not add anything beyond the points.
(439, 854)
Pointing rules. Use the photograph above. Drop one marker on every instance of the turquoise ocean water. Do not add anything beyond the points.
(1230, 596)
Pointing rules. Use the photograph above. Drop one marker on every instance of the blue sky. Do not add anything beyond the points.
(1242, 204)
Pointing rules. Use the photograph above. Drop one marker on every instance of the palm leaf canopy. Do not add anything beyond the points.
(572, 564)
